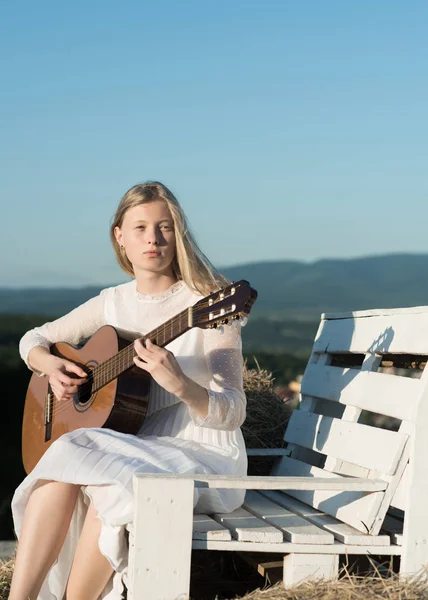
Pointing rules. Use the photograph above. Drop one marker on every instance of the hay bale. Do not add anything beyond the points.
(267, 417)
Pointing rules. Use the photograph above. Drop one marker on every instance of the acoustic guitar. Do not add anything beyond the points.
(116, 393)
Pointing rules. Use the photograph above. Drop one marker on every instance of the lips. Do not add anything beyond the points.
(152, 254)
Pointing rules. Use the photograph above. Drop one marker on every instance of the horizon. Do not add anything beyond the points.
(127, 278)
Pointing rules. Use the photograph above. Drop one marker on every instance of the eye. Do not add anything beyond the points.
(140, 227)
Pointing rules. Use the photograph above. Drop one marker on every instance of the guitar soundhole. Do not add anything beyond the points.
(84, 397)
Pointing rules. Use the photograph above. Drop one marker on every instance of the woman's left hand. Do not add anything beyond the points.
(161, 364)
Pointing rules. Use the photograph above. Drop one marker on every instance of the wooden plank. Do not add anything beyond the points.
(164, 512)
(342, 531)
(405, 333)
(287, 547)
(262, 561)
(377, 312)
(355, 508)
(245, 527)
(394, 481)
(364, 512)
(399, 500)
(302, 567)
(415, 540)
(295, 528)
(275, 483)
(370, 363)
(376, 392)
(205, 528)
(366, 446)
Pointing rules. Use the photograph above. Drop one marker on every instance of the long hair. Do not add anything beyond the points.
(189, 263)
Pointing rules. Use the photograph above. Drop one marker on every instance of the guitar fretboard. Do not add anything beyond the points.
(114, 366)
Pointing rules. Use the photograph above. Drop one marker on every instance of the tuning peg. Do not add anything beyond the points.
(244, 321)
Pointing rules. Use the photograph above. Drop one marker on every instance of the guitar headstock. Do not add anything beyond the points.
(233, 302)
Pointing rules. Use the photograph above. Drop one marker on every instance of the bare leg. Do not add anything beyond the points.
(91, 570)
(46, 521)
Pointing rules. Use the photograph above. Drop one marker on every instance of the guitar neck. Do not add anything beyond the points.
(114, 366)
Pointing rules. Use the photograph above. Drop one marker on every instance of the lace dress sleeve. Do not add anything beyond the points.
(73, 327)
(227, 402)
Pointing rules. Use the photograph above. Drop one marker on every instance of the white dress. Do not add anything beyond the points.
(172, 439)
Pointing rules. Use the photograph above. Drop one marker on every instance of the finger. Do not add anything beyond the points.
(140, 348)
(152, 347)
(71, 390)
(66, 380)
(141, 364)
(157, 351)
(56, 392)
(59, 394)
(73, 368)
(62, 378)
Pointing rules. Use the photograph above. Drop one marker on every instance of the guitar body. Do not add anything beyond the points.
(121, 404)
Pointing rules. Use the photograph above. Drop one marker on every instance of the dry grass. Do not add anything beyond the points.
(6, 570)
(350, 587)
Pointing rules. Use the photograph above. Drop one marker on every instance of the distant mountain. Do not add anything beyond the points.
(286, 288)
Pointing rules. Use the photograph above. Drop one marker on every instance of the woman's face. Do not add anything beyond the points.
(147, 234)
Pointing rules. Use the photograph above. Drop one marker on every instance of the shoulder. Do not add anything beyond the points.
(118, 291)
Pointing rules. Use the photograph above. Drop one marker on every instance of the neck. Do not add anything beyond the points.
(154, 283)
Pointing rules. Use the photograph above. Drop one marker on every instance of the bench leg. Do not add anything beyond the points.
(160, 552)
(301, 567)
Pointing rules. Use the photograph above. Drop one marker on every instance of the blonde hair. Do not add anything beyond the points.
(189, 264)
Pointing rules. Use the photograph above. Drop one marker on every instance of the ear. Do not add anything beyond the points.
(118, 235)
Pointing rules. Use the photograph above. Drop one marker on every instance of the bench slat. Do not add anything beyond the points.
(288, 547)
(245, 527)
(296, 529)
(374, 448)
(400, 333)
(355, 508)
(342, 531)
(205, 528)
(376, 392)
(399, 499)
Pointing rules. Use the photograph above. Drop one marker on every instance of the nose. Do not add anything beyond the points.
(153, 236)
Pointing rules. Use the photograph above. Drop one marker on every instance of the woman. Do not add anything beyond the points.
(72, 510)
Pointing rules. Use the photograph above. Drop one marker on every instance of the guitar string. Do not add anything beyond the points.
(106, 368)
(120, 359)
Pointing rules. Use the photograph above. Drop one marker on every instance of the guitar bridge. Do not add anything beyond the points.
(48, 412)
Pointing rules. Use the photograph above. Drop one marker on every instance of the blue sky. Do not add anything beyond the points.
(288, 130)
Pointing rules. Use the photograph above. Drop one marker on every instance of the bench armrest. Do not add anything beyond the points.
(339, 483)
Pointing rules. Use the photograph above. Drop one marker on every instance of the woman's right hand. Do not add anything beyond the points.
(65, 377)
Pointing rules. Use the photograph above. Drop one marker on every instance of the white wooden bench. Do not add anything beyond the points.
(339, 487)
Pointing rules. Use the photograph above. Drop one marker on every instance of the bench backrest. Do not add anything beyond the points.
(365, 375)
